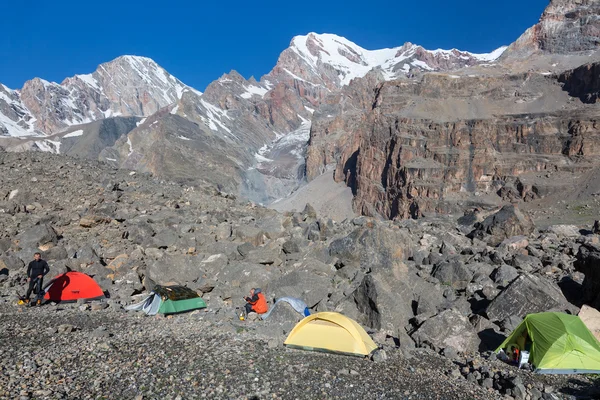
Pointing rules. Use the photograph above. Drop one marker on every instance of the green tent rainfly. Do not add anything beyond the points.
(560, 344)
(169, 300)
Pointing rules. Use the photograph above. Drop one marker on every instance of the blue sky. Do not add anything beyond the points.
(197, 41)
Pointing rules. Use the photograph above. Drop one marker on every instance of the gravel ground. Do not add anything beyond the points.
(116, 355)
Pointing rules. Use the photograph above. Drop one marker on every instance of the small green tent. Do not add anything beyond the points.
(169, 300)
(560, 344)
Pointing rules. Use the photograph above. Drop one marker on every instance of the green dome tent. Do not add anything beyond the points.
(559, 344)
(169, 300)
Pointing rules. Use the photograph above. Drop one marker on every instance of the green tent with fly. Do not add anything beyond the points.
(558, 343)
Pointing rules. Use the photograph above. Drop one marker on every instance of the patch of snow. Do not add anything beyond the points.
(310, 110)
(76, 133)
(174, 110)
(183, 137)
(254, 90)
(215, 115)
(421, 64)
(111, 159)
(140, 122)
(130, 146)
(110, 113)
(262, 159)
(89, 80)
(49, 146)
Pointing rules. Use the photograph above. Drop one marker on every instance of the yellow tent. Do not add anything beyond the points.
(331, 332)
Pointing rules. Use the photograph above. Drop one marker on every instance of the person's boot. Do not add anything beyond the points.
(38, 302)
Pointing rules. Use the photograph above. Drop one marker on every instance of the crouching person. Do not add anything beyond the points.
(256, 302)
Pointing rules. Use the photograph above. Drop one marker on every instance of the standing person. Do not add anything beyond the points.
(36, 271)
(256, 302)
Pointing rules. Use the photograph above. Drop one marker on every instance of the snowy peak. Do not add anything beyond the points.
(125, 86)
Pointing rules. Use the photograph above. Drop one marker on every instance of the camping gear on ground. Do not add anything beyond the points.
(556, 343)
(72, 286)
(523, 358)
(297, 304)
(331, 332)
(169, 300)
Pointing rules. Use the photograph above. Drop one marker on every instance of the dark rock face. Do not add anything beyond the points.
(583, 82)
(588, 262)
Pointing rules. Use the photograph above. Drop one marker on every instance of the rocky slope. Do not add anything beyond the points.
(453, 288)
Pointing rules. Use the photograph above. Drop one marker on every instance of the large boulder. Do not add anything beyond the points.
(164, 268)
(388, 298)
(508, 222)
(447, 329)
(525, 295)
(588, 262)
(310, 286)
(453, 273)
(37, 237)
(250, 234)
(377, 246)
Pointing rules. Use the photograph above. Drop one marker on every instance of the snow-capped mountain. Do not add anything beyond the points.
(334, 61)
(126, 86)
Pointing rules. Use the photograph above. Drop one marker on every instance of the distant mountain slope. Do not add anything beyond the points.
(126, 86)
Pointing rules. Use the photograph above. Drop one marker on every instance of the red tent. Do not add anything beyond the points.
(72, 286)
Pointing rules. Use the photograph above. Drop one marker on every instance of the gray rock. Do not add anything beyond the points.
(504, 274)
(250, 234)
(379, 356)
(447, 329)
(65, 328)
(453, 273)
(527, 294)
(291, 246)
(37, 236)
(510, 323)
(508, 222)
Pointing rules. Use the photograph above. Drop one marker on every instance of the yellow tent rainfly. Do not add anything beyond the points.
(331, 332)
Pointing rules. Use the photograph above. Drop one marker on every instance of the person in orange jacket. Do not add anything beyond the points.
(256, 302)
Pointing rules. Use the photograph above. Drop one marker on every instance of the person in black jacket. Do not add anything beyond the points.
(36, 271)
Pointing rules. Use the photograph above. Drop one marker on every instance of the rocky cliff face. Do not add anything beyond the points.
(447, 141)
(437, 142)
(565, 26)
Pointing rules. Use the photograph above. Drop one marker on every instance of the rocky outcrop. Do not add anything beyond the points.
(588, 262)
(432, 145)
(583, 82)
(565, 26)
(525, 295)
(506, 223)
